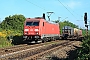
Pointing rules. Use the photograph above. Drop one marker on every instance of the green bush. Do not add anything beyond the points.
(10, 37)
(84, 52)
(4, 42)
(11, 29)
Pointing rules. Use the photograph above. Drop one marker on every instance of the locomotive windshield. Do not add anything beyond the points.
(32, 23)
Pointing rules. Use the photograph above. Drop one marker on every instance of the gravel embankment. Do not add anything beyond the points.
(63, 53)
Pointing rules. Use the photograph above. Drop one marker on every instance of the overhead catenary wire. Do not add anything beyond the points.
(73, 11)
(66, 8)
(36, 5)
(39, 6)
(53, 11)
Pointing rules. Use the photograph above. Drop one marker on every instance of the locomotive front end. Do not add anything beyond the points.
(31, 30)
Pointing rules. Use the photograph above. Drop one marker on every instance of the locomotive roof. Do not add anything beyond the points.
(51, 22)
(38, 19)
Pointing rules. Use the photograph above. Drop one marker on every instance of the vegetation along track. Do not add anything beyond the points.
(35, 51)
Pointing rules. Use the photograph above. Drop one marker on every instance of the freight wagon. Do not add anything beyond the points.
(38, 28)
(69, 32)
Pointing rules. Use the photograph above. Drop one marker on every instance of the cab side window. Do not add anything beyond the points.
(43, 23)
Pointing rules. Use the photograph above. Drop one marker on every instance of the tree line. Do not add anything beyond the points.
(16, 22)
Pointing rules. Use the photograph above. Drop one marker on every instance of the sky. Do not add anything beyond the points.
(71, 10)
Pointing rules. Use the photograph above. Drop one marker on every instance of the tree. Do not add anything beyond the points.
(65, 23)
(56, 21)
(13, 22)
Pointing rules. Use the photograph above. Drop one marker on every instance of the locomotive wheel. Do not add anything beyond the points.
(54, 39)
(42, 41)
(62, 38)
(36, 41)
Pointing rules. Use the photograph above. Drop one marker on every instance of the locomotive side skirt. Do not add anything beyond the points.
(56, 36)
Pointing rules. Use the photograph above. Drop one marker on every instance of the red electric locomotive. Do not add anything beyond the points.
(38, 28)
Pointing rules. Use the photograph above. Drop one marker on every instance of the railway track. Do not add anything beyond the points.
(34, 51)
(8, 49)
(18, 48)
(48, 51)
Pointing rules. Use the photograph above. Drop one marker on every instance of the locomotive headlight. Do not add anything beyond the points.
(36, 30)
(37, 33)
(26, 30)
